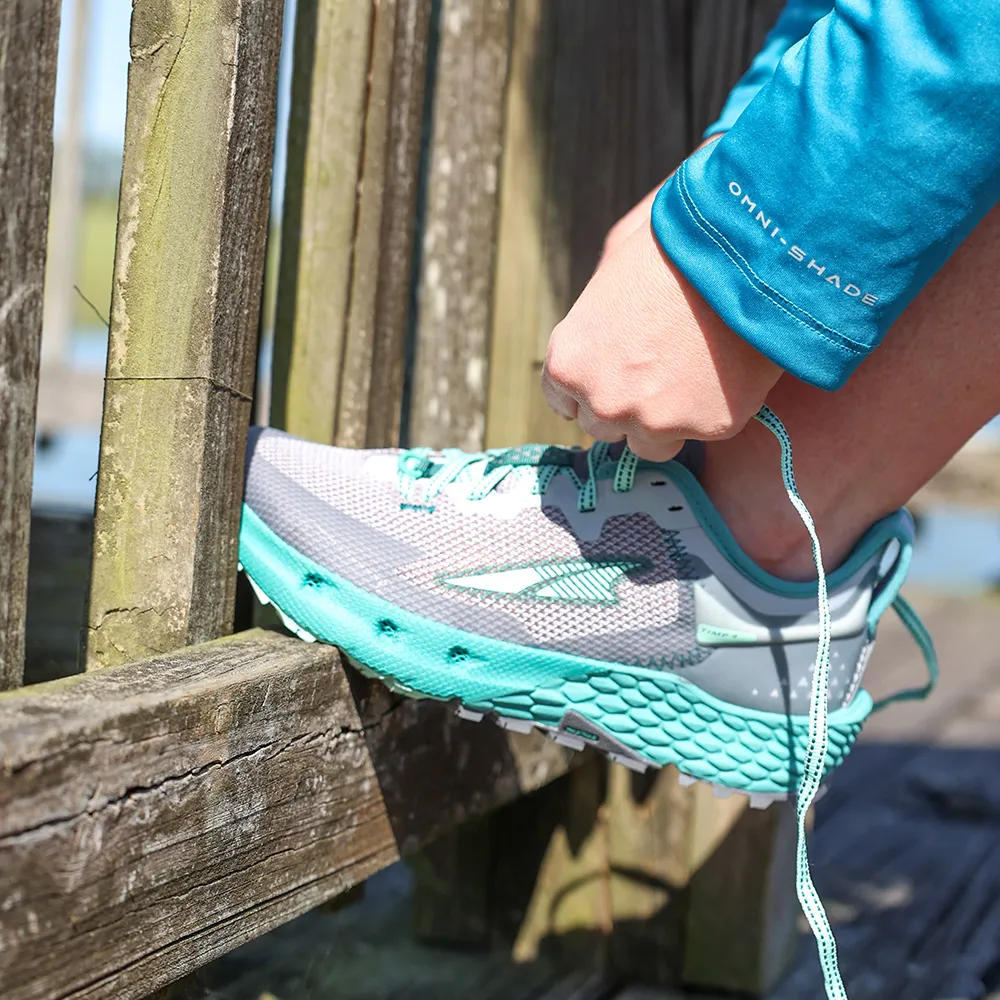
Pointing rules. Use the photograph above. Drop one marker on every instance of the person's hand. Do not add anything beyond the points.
(642, 356)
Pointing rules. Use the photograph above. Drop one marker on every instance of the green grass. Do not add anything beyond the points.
(96, 261)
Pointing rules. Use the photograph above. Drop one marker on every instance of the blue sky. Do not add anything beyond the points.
(107, 74)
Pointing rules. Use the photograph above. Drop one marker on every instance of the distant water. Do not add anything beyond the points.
(88, 348)
(956, 549)
(66, 471)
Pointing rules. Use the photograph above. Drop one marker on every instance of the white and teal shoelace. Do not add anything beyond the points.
(813, 766)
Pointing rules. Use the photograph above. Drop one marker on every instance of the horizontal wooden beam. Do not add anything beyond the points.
(156, 815)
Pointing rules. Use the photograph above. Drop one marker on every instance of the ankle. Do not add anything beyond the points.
(742, 478)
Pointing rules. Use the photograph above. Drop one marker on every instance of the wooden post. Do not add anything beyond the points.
(348, 231)
(192, 223)
(746, 858)
(325, 145)
(29, 35)
(370, 400)
(450, 376)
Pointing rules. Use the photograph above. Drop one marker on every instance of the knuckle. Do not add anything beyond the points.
(657, 423)
(559, 365)
(608, 411)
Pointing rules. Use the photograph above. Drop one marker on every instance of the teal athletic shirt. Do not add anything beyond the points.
(860, 149)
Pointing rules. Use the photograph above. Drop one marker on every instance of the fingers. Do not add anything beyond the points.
(652, 447)
(601, 430)
(559, 400)
(655, 449)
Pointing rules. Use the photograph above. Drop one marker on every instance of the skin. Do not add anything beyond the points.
(642, 357)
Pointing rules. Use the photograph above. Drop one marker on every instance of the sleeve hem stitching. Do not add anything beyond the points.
(754, 280)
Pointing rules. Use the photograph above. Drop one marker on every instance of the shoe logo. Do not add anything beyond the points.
(576, 581)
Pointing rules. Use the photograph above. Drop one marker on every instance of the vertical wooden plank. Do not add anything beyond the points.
(29, 35)
(192, 223)
(523, 290)
(371, 381)
(351, 413)
(747, 858)
(724, 39)
(347, 245)
(719, 32)
(399, 227)
(325, 147)
(459, 226)
(451, 901)
(66, 199)
(604, 101)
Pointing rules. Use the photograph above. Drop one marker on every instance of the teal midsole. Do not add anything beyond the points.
(659, 715)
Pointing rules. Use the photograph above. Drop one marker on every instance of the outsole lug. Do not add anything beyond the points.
(567, 740)
(632, 763)
(468, 714)
(721, 791)
(294, 627)
(515, 725)
(761, 800)
(686, 780)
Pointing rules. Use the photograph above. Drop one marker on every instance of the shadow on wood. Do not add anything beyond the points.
(643, 917)
(58, 575)
(906, 853)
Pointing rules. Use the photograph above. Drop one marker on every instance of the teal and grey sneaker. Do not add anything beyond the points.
(589, 594)
(592, 595)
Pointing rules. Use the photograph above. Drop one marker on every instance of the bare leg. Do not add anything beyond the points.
(864, 450)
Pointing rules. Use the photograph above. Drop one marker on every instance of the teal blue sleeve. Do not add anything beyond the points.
(846, 183)
(793, 25)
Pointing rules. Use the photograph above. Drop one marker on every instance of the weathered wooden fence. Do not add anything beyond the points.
(453, 166)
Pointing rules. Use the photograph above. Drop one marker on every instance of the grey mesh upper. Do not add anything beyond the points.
(342, 509)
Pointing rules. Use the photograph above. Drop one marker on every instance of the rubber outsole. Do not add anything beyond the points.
(758, 800)
(638, 717)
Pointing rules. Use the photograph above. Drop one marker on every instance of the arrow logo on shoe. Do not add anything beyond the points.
(578, 581)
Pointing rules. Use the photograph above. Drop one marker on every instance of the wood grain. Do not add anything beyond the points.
(369, 405)
(449, 376)
(605, 100)
(597, 115)
(159, 814)
(325, 146)
(29, 35)
(349, 227)
(747, 858)
(192, 223)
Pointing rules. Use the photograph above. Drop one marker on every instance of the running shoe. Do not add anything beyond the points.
(590, 594)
